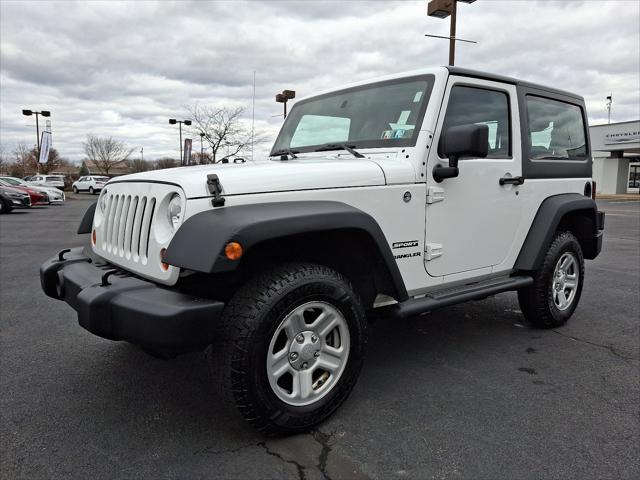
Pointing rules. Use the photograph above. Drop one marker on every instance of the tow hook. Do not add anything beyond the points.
(215, 188)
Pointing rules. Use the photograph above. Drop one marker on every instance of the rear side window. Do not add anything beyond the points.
(556, 130)
(470, 105)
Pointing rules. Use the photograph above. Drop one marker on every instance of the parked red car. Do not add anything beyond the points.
(37, 198)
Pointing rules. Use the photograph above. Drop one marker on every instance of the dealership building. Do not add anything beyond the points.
(616, 157)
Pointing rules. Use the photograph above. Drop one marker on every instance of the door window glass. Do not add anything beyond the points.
(479, 106)
(556, 130)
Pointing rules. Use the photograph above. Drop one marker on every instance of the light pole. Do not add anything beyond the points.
(443, 9)
(201, 148)
(609, 102)
(44, 113)
(173, 121)
(285, 96)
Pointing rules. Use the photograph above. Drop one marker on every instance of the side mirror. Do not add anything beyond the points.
(463, 141)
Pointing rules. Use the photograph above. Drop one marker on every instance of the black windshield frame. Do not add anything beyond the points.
(373, 143)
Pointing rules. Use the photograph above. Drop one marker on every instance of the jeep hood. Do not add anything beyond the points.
(271, 176)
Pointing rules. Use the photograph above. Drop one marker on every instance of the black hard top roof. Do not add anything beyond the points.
(466, 72)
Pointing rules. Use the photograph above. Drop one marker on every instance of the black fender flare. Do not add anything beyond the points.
(87, 220)
(546, 222)
(199, 243)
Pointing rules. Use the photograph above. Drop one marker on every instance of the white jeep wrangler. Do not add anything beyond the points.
(397, 196)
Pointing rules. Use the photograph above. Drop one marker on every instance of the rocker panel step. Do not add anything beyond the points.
(451, 296)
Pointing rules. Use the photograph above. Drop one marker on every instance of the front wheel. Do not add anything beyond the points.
(555, 293)
(91, 191)
(292, 347)
(5, 207)
(75, 189)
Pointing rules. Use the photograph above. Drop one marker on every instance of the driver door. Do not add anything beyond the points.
(471, 220)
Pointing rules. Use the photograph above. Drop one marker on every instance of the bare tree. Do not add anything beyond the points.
(138, 165)
(106, 152)
(223, 130)
(167, 162)
(4, 160)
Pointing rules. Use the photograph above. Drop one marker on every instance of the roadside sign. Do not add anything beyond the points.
(45, 145)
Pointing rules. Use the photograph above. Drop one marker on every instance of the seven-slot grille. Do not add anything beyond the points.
(127, 226)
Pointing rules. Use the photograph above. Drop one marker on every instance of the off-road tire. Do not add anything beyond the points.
(75, 190)
(536, 301)
(249, 321)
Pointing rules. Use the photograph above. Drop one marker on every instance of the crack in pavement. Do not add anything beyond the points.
(601, 345)
(212, 451)
(323, 440)
(300, 468)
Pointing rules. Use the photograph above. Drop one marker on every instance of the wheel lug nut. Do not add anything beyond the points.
(300, 338)
(304, 365)
(293, 356)
(316, 354)
(314, 338)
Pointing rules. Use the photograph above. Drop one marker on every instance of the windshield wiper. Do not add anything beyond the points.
(339, 146)
(285, 151)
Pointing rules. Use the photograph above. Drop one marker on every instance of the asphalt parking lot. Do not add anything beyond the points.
(467, 392)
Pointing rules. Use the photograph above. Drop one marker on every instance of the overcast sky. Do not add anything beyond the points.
(123, 69)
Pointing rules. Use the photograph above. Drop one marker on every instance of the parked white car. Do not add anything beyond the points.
(90, 183)
(55, 195)
(56, 181)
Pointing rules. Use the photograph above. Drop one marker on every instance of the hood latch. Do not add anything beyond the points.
(215, 188)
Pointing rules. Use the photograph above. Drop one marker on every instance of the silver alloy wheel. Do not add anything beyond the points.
(565, 280)
(308, 353)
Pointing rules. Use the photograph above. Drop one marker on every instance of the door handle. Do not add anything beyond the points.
(511, 180)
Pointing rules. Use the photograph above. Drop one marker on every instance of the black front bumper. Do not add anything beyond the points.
(123, 307)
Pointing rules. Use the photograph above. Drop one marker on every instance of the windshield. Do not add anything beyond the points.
(11, 181)
(54, 179)
(384, 114)
(101, 179)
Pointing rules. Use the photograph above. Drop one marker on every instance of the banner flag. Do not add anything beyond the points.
(45, 145)
(187, 152)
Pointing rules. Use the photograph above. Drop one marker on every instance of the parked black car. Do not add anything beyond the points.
(11, 198)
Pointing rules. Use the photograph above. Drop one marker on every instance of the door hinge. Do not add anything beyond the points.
(435, 195)
(433, 250)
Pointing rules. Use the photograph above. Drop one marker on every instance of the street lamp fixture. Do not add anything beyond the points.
(173, 121)
(44, 113)
(443, 9)
(285, 96)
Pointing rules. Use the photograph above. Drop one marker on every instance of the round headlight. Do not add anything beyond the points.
(174, 211)
(103, 201)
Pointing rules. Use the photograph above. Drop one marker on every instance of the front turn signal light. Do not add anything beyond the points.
(233, 250)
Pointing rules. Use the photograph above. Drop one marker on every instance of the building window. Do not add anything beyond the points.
(634, 176)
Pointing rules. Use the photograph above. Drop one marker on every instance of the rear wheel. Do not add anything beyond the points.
(555, 293)
(291, 348)
(91, 191)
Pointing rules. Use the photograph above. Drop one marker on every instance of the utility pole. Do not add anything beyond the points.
(609, 102)
(142, 153)
(443, 9)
